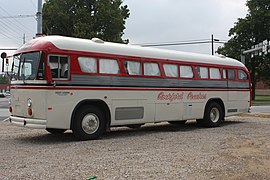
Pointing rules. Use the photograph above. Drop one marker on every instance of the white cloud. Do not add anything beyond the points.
(177, 20)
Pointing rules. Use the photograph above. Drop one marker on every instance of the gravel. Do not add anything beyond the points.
(239, 149)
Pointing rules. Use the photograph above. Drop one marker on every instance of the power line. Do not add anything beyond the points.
(17, 16)
(10, 28)
(169, 42)
(178, 43)
(9, 32)
(16, 21)
(31, 1)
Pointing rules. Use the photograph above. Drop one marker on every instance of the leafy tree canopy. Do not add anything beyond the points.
(248, 31)
(104, 19)
(4, 80)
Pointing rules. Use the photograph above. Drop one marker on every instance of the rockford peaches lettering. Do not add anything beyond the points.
(170, 96)
(197, 96)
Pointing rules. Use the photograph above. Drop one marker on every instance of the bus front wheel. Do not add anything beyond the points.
(213, 116)
(89, 123)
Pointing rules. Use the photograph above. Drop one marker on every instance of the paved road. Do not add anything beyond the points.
(4, 112)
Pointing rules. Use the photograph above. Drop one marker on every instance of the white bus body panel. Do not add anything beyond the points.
(55, 107)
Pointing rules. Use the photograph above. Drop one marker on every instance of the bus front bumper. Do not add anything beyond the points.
(28, 123)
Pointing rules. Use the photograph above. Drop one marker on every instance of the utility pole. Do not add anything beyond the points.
(23, 38)
(212, 41)
(39, 18)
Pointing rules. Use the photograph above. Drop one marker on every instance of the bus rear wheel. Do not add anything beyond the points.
(89, 123)
(213, 116)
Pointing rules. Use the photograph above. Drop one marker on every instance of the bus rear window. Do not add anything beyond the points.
(242, 75)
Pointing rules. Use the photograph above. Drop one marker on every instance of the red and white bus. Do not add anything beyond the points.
(87, 86)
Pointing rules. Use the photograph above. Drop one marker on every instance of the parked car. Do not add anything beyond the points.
(2, 95)
(7, 93)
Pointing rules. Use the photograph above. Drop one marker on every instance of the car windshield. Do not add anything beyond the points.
(25, 66)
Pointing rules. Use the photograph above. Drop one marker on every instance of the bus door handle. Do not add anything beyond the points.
(54, 83)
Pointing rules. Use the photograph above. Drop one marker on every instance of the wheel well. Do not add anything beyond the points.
(219, 101)
(97, 103)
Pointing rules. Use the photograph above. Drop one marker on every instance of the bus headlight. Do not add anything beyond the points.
(29, 102)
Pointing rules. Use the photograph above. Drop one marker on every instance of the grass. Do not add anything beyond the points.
(261, 100)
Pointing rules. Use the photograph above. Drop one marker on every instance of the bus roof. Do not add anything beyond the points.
(98, 46)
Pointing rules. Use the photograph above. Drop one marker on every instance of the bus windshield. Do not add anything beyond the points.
(25, 66)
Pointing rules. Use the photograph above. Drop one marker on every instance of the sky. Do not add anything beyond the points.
(150, 21)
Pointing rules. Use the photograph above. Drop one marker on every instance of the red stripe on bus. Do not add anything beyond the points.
(127, 89)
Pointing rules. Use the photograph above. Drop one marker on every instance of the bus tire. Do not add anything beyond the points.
(213, 115)
(89, 123)
(55, 131)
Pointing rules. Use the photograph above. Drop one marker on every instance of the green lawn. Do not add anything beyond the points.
(261, 100)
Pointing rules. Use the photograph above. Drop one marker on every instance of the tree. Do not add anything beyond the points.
(4, 80)
(248, 31)
(104, 19)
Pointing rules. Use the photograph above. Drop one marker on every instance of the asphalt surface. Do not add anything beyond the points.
(4, 112)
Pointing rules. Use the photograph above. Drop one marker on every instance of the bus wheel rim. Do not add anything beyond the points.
(214, 114)
(90, 123)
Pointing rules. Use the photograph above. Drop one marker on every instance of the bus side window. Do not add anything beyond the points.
(53, 61)
(41, 68)
(108, 66)
(231, 74)
(171, 70)
(215, 73)
(202, 72)
(64, 69)
(133, 67)
(224, 74)
(87, 64)
(59, 66)
(151, 69)
(186, 72)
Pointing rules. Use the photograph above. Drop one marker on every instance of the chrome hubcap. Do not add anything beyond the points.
(90, 123)
(214, 115)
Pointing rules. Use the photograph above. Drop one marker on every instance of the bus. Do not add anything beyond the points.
(87, 86)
